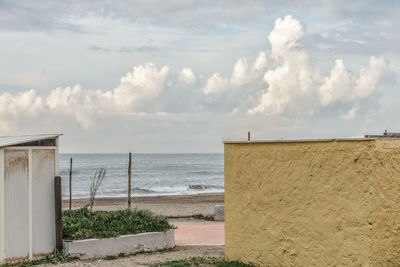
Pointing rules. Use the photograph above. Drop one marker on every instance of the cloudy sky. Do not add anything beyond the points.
(182, 76)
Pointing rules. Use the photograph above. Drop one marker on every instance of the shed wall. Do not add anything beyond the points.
(313, 204)
(29, 223)
(43, 201)
(16, 203)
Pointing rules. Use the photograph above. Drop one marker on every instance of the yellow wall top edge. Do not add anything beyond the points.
(308, 140)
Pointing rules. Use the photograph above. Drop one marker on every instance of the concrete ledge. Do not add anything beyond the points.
(127, 244)
(219, 213)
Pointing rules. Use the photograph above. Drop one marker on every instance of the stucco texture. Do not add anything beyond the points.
(331, 203)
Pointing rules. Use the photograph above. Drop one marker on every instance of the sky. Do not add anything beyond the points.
(184, 76)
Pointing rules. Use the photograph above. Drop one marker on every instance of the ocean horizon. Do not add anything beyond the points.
(153, 174)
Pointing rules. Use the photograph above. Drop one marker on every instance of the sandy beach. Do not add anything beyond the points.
(170, 206)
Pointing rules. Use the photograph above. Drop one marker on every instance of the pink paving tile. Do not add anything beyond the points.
(200, 234)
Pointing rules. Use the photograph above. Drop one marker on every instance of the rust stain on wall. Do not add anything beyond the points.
(16, 161)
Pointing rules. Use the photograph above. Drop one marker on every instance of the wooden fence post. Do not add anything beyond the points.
(58, 212)
(129, 180)
(70, 184)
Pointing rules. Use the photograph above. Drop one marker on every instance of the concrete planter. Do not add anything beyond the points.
(127, 244)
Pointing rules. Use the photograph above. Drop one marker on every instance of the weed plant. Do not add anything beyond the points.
(60, 257)
(204, 262)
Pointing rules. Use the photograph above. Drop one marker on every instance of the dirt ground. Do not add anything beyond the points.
(151, 259)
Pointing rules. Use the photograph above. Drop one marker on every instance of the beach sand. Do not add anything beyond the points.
(170, 206)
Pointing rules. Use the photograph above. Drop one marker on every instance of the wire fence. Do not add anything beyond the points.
(173, 185)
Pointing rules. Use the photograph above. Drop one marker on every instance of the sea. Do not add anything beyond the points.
(152, 174)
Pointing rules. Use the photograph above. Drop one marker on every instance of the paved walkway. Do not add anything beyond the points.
(202, 234)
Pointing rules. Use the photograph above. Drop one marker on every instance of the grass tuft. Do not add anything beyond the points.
(204, 262)
(110, 258)
(60, 257)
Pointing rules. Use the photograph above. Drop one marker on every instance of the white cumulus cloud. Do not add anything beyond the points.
(136, 90)
(14, 107)
(283, 80)
(338, 85)
(187, 76)
(293, 79)
(294, 84)
(284, 36)
(216, 84)
(80, 103)
(370, 76)
(261, 62)
(143, 83)
(240, 74)
(343, 86)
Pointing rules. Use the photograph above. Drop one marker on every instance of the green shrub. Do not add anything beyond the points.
(85, 224)
(110, 258)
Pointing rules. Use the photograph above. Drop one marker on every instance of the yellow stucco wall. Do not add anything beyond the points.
(313, 204)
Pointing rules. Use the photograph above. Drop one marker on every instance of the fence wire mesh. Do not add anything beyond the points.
(173, 185)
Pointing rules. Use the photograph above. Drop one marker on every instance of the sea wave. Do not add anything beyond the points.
(203, 187)
(153, 191)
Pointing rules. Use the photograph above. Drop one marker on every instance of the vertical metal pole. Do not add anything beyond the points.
(30, 195)
(2, 175)
(129, 180)
(56, 168)
(58, 212)
(70, 184)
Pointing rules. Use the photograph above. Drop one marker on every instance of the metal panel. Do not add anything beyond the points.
(16, 203)
(1, 205)
(30, 203)
(15, 140)
(43, 201)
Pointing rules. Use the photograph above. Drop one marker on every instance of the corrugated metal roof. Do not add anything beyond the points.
(17, 140)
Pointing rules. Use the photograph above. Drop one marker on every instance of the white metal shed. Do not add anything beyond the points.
(28, 165)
